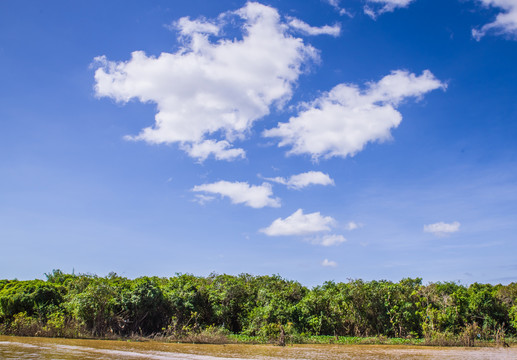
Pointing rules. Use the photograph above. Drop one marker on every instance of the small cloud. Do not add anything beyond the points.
(242, 193)
(187, 27)
(383, 6)
(328, 240)
(299, 25)
(299, 224)
(442, 229)
(353, 226)
(328, 263)
(203, 199)
(306, 224)
(221, 150)
(300, 181)
(338, 8)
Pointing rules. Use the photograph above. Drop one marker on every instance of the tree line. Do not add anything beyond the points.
(256, 306)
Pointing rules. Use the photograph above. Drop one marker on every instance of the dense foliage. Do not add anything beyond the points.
(263, 306)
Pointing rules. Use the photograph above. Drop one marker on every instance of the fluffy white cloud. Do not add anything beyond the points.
(442, 229)
(328, 263)
(299, 224)
(382, 6)
(303, 180)
(342, 121)
(327, 240)
(334, 30)
(504, 23)
(241, 193)
(209, 93)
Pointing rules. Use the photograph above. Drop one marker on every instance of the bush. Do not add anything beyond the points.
(24, 325)
(262, 308)
(35, 298)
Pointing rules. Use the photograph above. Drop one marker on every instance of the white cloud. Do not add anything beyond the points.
(221, 149)
(328, 263)
(328, 240)
(382, 6)
(342, 121)
(203, 199)
(442, 229)
(242, 193)
(337, 7)
(299, 224)
(297, 24)
(504, 23)
(209, 93)
(303, 180)
(189, 27)
(353, 226)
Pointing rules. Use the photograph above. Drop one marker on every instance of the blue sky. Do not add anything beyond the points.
(319, 140)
